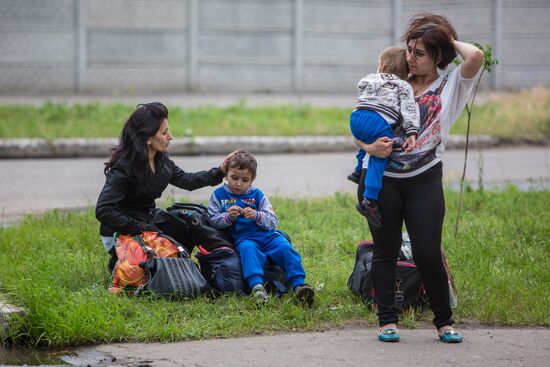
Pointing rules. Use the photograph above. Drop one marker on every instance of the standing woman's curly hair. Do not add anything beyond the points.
(437, 33)
(141, 125)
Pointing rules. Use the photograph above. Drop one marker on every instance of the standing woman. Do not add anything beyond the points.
(138, 172)
(412, 189)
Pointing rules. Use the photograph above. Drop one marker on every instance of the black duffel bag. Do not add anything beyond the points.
(174, 278)
(188, 224)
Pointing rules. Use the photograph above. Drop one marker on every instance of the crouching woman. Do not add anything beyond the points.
(138, 172)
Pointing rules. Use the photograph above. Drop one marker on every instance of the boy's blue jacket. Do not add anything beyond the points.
(241, 228)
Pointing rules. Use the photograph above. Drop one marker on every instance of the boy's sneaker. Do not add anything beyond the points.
(354, 177)
(370, 212)
(259, 293)
(305, 294)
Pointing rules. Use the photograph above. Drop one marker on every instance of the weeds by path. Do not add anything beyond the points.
(523, 115)
(54, 266)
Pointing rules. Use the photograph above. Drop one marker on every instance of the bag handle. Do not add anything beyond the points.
(189, 206)
(151, 254)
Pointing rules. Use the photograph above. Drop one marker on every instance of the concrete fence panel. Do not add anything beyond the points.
(126, 46)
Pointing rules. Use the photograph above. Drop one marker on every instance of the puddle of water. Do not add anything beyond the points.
(48, 357)
(32, 357)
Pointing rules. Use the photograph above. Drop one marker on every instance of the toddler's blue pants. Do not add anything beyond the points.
(367, 126)
(254, 253)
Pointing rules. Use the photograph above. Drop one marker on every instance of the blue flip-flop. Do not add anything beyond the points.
(451, 336)
(390, 335)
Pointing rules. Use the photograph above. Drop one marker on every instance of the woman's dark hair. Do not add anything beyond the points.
(437, 33)
(143, 123)
(241, 160)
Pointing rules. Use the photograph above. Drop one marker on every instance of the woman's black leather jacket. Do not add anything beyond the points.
(126, 205)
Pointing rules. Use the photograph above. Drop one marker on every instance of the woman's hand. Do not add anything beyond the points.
(249, 213)
(380, 148)
(223, 166)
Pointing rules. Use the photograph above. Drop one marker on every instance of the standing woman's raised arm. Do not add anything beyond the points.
(472, 56)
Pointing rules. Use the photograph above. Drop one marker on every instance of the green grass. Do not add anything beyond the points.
(54, 266)
(522, 115)
(51, 121)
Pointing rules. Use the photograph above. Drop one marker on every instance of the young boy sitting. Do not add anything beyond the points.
(248, 214)
(386, 102)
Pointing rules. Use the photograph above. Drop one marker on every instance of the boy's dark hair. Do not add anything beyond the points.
(437, 33)
(243, 159)
(393, 60)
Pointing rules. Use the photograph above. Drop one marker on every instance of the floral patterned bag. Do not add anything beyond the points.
(132, 251)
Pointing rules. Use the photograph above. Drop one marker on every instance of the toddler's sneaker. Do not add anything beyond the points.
(354, 177)
(259, 293)
(305, 294)
(371, 212)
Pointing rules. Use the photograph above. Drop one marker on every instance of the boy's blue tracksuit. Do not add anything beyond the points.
(255, 239)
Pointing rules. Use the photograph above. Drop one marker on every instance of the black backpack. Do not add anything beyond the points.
(222, 269)
(409, 291)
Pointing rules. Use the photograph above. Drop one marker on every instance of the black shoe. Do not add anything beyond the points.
(354, 177)
(370, 212)
(305, 294)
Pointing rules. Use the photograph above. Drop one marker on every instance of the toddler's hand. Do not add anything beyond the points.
(234, 211)
(249, 213)
(409, 144)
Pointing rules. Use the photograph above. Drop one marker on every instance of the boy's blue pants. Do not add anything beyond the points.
(368, 126)
(254, 253)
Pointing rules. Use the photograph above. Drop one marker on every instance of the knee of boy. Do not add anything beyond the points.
(246, 246)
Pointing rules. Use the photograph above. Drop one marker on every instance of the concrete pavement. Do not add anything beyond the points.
(483, 346)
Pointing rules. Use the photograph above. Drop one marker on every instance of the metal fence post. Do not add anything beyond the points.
(397, 8)
(81, 45)
(496, 76)
(192, 49)
(298, 43)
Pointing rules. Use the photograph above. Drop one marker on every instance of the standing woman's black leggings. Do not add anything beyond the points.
(419, 201)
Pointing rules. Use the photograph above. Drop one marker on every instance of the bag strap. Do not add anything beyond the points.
(399, 296)
(151, 254)
(439, 89)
